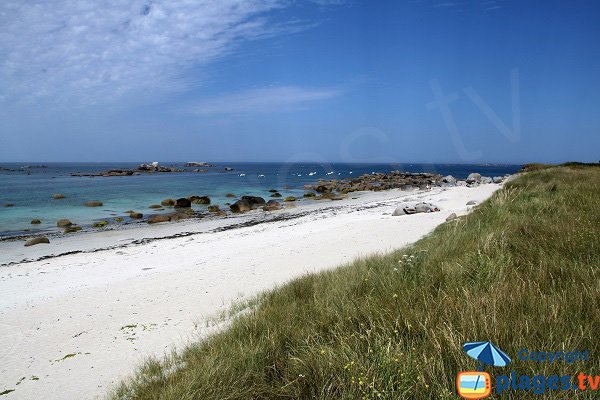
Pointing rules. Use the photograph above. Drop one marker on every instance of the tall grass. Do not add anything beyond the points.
(521, 271)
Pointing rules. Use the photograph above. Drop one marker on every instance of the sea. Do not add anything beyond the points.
(29, 187)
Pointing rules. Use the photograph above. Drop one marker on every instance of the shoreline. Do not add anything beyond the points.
(81, 322)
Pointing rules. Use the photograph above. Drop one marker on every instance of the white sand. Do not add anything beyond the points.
(112, 308)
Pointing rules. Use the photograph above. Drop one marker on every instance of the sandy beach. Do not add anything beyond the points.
(79, 314)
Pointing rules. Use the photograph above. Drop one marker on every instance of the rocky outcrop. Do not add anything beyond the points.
(197, 164)
(37, 240)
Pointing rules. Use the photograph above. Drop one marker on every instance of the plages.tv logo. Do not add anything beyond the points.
(478, 384)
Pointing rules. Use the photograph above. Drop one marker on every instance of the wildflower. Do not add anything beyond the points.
(395, 295)
(322, 351)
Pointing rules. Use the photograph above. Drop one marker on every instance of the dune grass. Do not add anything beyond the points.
(521, 270)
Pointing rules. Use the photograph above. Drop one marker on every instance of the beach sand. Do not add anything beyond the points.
(74, 325)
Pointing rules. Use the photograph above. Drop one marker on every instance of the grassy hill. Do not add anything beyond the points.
(522, 270)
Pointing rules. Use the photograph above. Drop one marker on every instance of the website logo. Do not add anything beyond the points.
(478, 384)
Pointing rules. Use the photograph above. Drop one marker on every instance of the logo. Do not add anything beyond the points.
(478, 384)
(473, 385)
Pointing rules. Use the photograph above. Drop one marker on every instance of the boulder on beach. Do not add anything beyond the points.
(200, 199)
(451, 217)
(183, 203)
(398, 212)
(94, 204)
(37, 240)
(290, 198)
(213, 208)
(421, 208)
(241, 206)
(272, 205)
(309, 194)
(136, 215)
(471, 202)
(35, 221)
(58, 196)
(473, 177)
(72, 229)
(168, 202)
(498, 179)
(449, 179)
(63, 223)
(486, 179)
(178, 216)
(100, 224)
(156, 218)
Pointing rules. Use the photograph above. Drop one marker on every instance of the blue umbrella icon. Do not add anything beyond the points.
(486, 353)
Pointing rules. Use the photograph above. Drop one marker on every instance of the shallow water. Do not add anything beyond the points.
(31, 189)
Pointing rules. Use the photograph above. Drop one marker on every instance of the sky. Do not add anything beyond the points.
(428, 81)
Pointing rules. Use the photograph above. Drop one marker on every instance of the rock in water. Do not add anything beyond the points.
(200, 199)
(35, 222)
(100, 224)
(213, 208)
(72, 229)
(94, 204)
(58, 196)
(183, 203)
(63, 223)
(168, 202)
(254, 201)
(451, 217)
(241, 206)
(37, 240)
(155, 206)
(230, 195)
(136, 215)
(290, 198)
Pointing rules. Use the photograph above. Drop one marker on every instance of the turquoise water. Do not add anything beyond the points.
(31, 189)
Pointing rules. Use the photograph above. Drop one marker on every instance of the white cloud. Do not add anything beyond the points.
(262, 100)
(87, 51)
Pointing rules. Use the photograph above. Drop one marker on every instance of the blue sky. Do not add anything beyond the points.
(284, 80)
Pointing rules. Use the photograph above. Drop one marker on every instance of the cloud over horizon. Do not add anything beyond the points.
(93, 51)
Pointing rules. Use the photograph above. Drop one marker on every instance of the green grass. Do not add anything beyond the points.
(521, 270)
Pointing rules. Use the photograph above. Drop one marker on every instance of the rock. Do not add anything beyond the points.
(451, 217)
(498, 179)
(309, 194)
(230, 195)
(241, 206)
(63, 223)
(449, 179)
(228, 169)
(290, 198)
(213, 208)
(136, 215)
(156, 218)
(421, 208)
(37, 240)
(471, 202)
(72, 229)
(9, 205)
(119, 219)
(486, 179)
(178, 216)
(200, 199)
(58, 196)
(399, 211)
(168, 202)
(94, 204)
(100, 224)
(273, 190)
(473, 178)
(155, 206)
(35, 222)
(254, 201)
(272, 205)
(276, 195)
(461, 183)
(183, 203)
